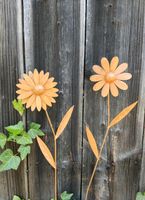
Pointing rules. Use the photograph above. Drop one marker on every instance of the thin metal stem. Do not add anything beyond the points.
(101, 149)
(108, 107)
(55, 155)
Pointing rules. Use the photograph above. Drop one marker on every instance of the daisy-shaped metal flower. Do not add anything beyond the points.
(110, 77)
(37, 90)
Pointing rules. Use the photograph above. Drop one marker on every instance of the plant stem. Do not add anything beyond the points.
(108, 107)
(101, 149)
(55, 155)
(95, 167)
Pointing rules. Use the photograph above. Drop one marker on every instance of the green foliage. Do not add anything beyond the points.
(140, 196)
(9, 160)
(16, 198)
(18, 106)
(24, 139)
(3, 140)
(18, 135)
(24, 151)
(34, 125)
(66, 196)
(34, 133)
(15, 129)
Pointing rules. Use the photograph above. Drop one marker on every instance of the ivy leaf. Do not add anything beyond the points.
(18, 106)
(3, 140)
(15, 129)
(6, 155)
(34, 133)
(34, 125)
(9, 161)
(140, 196)
(16, 198)
(24, 139)
(24, 151)
(66, 196)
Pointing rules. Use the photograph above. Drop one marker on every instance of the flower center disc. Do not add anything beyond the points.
(110, 77)
(38, 89)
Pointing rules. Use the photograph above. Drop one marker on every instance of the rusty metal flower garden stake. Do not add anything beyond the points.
(109, 78)
(37, 91)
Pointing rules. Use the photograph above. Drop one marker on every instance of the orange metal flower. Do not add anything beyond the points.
(37, 90)
(110, 77)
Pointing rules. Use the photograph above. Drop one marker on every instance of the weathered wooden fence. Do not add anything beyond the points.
(66, 37)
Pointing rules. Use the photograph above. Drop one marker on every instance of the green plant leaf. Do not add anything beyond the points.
(140, 196)
(16, 198)
(9, 161)
(35, 132)
(15, 129)
(18, 106)
(34, 125)
(24, 151)
(3, 140)
(24, 139)
(66, 196)
(6, 155)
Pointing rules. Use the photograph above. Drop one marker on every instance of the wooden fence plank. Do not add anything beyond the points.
(57, 46)
(114, 28)
(11, 65)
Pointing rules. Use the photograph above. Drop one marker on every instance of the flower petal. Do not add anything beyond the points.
(24, 95)
(24, 101)
(114, 90)
(50, 85)
(50, 94)
(46, 100)
(30, 101)
(124, 76)
(33, 106)
(53, 90)
(41, 74)
(44, 79)
(98, 85)
(52, 99)
(98, 70)
(121, 85)
(105, 64)
(38, 103)
(44, 106)
(29, 80)
(121, 68)
(24, 86)
(114, 63)
(36, 76)
(105, 90)
(95, 78)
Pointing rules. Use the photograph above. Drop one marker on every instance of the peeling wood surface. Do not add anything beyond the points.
(66, 38)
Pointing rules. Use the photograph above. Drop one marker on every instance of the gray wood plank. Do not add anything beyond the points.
(114, 28)
(57, 45)
(11, 65)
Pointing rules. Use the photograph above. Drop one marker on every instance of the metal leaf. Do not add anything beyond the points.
(92, 142)
(122, 114)
(46, 152)
(64, 122)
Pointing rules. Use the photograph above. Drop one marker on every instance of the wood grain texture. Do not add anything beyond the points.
(115, 28)
(11, 64)
(55, 44)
